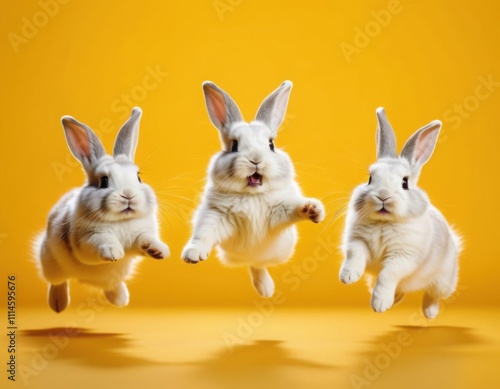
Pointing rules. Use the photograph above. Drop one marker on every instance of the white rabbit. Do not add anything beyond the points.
(98, 233)
(251, 200)
(394, 233)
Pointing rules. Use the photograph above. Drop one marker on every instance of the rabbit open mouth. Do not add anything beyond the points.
(383, 211)
(128, 210)
(255, 180)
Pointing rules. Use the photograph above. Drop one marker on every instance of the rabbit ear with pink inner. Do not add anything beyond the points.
(83, 142)
(420, 146)
(222, 109)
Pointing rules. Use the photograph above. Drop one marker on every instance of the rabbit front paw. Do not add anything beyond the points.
(111, 252)
(194, 252)
(313, 209)
(156, 249)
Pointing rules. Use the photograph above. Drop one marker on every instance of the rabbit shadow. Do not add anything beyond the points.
(84, 346)
(443, 338)
(415, 354)
(415, 341)
(262, 363)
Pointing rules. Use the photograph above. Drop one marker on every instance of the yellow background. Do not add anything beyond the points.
(94, 60)
(86, 56)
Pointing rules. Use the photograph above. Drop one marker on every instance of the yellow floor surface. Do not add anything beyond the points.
(91, 346)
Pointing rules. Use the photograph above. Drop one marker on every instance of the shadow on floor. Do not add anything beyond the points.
(108, 350)
(97, 349)
(260, 364)
(432, 338)
(258, 355)
(422, 357)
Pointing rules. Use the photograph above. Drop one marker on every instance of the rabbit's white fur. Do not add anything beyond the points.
(98, 233)
(395, 234)
(251, 200)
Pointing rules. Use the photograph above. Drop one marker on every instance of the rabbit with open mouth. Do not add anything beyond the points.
(251, 199)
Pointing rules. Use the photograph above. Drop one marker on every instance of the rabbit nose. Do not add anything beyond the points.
(127, 193)
(255, 163)
(383, 194)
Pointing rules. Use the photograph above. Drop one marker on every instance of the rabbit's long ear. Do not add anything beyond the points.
(126, 140)
(386, 139)
(273, 108)
(419, 147)
(83, 142)
(222, 109)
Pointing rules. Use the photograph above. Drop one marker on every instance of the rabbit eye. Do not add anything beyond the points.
(370, 180)
(234, 146)
(404, 184)
(271, 144)
(103, 183)
(139, 177)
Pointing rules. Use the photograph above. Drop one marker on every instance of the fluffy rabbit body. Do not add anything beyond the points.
(393, 232)
(251, 200)
(98, 233)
